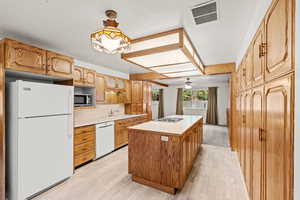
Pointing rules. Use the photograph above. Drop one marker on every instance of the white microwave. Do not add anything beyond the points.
(83, 100)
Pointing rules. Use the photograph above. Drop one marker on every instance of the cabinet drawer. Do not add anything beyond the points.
(84, 129)
(82, 158)
(85, 147)
(83, 138)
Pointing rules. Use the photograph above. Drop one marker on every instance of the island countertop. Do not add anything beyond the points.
(169, 127)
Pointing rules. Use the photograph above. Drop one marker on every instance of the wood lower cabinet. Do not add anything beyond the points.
(121, 131)
(265, 131)
(278, 139)
(257, 138)
(279, 38)
(248, 141)
(84, 144)
(23, 57)
(163, 160)
(59, 65)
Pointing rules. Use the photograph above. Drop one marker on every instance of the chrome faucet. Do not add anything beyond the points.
(111, 113)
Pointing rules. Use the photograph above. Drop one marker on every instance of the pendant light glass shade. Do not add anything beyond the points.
(110, 39)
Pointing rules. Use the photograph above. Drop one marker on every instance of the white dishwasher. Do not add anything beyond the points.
(105, 138)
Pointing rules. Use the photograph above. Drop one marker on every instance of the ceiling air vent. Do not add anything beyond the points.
(205, 12)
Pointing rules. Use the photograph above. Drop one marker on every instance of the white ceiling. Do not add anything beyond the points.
(65, 26)
(198, 81)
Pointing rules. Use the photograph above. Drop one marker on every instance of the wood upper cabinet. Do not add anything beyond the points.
(258, 57)
(257, 148)
(23, 57)
(248, 69)
(89, 77)
(278, 136)
(137, 91)
(84, 77)
(279, 36)
(100, 88)
(120, 83)
(110, 82)
(243, 75)
(78, 75)
(59, 65)
(128, 91)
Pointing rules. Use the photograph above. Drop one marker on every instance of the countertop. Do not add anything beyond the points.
(169, 127)
(101, 120)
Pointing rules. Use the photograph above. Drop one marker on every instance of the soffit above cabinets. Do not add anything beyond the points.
(170, 53)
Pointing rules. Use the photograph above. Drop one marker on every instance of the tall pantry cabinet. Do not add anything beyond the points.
(265, 101)
(141, 98)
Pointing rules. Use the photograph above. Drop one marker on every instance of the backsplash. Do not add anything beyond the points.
(100, 112)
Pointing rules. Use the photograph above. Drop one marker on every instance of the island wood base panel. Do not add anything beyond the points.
(161, 160)
(163, 188)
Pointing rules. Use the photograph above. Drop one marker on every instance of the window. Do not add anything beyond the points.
(195, 99)
(155, 95)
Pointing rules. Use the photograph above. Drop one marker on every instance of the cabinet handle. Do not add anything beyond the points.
(261, 136)
(263, 49)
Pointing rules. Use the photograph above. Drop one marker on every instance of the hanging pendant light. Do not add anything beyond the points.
(188, 84)
(110, 39)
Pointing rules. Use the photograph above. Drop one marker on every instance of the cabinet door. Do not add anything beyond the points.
(89, 77)
(23, 57)
(257, 148)
(242, 133)
(118, 136)
(78, 75)
(128, 91)
(249, 69)
(59, 65)
(145, 92)
(279, 139)
(120, 84)
(110, 82)
(100, 89)
(258, 57)
(137, 92)
(111, 97)
(137, 108)
(237, 125)
(248, 141)
(278, 30)
(243, 75)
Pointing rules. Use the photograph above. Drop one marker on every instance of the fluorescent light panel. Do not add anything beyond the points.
(174, 68)
(155, 42)
(183, 74)
(163, 58)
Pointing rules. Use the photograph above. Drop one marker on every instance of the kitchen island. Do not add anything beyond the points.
(161, 153)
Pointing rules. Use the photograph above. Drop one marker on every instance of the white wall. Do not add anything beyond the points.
(258, 15)
(297, 107)
(170, 98)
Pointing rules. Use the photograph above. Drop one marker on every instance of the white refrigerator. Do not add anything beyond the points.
(39, 137)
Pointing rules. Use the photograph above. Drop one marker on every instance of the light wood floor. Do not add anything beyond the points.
(216, 176)
(216, 135)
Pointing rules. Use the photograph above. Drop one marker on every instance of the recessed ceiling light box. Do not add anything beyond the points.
(170, 53)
